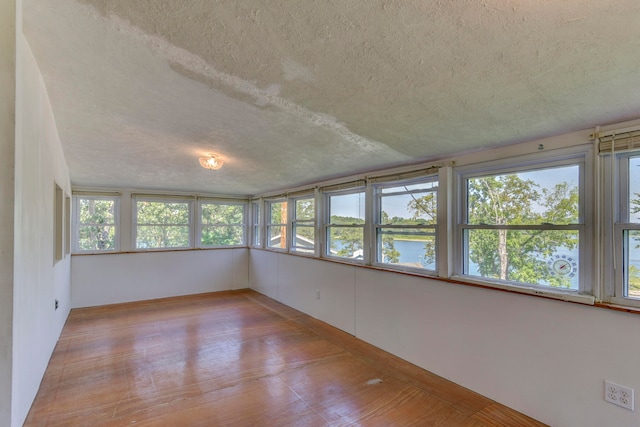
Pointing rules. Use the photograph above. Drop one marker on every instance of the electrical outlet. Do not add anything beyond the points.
(56, 304)
(618, 395)
(317, 293)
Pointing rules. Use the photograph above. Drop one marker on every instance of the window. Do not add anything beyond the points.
(277, 224)
(221, 224)
(58, 223)
(96, 220)
(256, 221)
(303, 225)
(162, 223)
(525, 225)
(346, 224)
(67, 225)
(627, 231)
(405, 229)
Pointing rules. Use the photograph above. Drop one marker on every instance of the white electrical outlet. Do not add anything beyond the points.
(618, 395)
(317, 293)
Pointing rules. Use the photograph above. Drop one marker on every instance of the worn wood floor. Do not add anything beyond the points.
(239, 359)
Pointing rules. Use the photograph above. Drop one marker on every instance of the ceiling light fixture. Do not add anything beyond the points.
(211, 161)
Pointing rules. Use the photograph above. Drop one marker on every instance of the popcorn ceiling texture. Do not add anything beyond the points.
(295, 91)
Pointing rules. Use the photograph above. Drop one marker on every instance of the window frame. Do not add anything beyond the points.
(327, 225)
(201, 225)
(618, 206)
(377, 225)
(77, 225)
(135, 198)
(580, 156)
(268, 204)
(256, 235)
(295, 222)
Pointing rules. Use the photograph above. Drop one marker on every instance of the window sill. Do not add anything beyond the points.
(617, 307)
(545, 293)
(154, 251)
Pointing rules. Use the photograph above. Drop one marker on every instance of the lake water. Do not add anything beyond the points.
(411, 252)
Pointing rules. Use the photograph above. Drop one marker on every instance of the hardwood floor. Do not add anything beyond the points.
(239, 359)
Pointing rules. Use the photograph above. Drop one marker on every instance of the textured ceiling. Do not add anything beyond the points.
(294, 91)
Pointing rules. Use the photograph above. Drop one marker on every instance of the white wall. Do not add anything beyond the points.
(114, 278)
(38, 279)
(545, 358)
(7, 144)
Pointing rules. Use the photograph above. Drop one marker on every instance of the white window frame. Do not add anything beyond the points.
(366, 226)
(242, 225)
(256, 235)
(617, 212)
(269, 224)
(76, 222)
(581, 156)
(295, 222)
(378, 195)
(162, 199)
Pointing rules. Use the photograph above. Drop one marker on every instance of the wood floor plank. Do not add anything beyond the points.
(238, 358)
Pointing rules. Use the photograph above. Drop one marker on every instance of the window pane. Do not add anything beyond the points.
(222, 235)
(94, 211)
(416, 208)
(346, 242)
(305, 238)
(96, 237)
(150, 212)
(431, 185)
(214, 213)
(277, 236)
(534, 197)
(305, 209)
(347, 208)
(407, 248)
(542, 257)
(632, 264)
(278, 213)
(634, 189)
(96, 224)
(162, 236)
